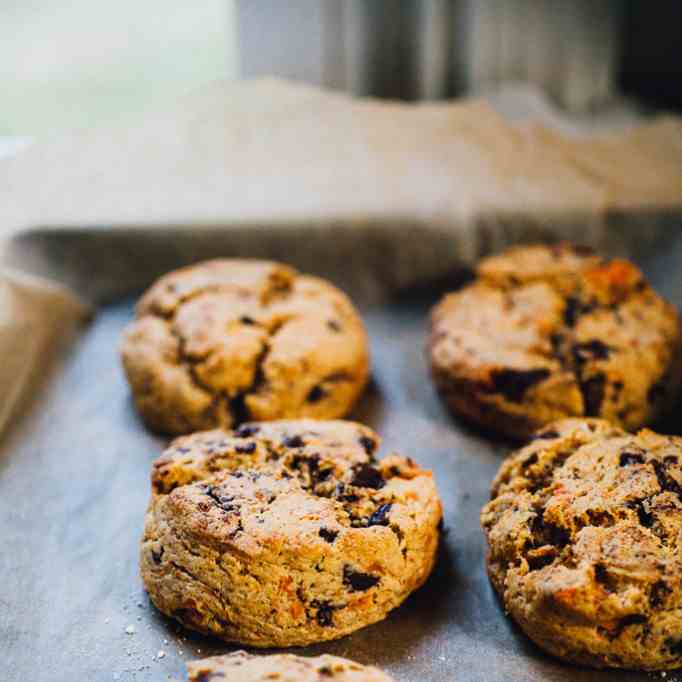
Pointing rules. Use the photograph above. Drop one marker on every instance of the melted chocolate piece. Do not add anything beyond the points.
(513, 383)
(328, 535)
(366, 476)
(357, 581)
(592, 390)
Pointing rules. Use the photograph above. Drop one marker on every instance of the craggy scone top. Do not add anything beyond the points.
(585, 532)
(547, 332)
(225, 341)
(286, 532)
(243, 667)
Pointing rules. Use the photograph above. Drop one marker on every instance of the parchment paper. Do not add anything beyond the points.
(268, 168)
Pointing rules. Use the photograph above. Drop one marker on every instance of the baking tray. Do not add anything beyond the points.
(74, 485)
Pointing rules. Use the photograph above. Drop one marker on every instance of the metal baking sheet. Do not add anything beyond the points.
(74, 484)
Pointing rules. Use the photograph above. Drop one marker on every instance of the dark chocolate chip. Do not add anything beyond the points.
(658, 594)
(293, 442)
(157, 556)
(238, 409)
(328, 535)
(246, 431)
(380, 516)
(316, 394)
(627, 458)
(245, 319)
(601, 575)
(674, 646)
(549, 534)
(668, 484)
(513, 383)
(529, 461)
(357, 581)
(571, 311)
(590, 350)
(209, 676)
(366, 476)
(334, 325)
(367, 443)
(325, 671)
(646, 518)
(246, 448)
(325, 613)
(592, 390)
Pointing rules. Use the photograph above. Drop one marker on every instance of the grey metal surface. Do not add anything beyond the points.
(74, 486)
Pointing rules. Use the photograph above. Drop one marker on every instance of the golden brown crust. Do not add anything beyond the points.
(548, 332)
(225, 341)
(584, 530)
(243, 667)
(286, 533)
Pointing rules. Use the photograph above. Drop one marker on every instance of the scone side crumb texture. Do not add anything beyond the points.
(243, 667)
(548, 332)
(287, 532)
(227, 341)
(584, 537)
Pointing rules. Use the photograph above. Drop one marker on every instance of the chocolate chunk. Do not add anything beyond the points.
(240, 413)
(246, 448)
(366, 476)
(316, 394)
(334, 325)
(646, 518)
(293, 442)
(367, 443)
(574, 308)
(590, 350)
(380, 516)
(357, 581)
(592, 390)
(659, 593)
(601, 575)
(245, 319)
(328, 535)
(668, 484)
(157, 556)
(674, 646)
(246, 431)
(513, 383)
(627, 458)
(325, 612)
(529, 461)
(326, 671)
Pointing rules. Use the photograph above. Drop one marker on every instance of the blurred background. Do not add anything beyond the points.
(69, 64)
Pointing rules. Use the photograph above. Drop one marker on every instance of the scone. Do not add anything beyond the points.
(243, 667)
(226, 341)
(547, 332)
(287, 532)
(584, 532)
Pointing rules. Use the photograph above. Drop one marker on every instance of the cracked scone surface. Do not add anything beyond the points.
(243, 667)
(548, 332)
(286, 532)
(584, 532)
(226, 341)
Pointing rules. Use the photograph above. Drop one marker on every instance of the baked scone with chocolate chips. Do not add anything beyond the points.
(243, 667)
(548, 332)
(226, 341)
(287, 532)
(585, 535)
